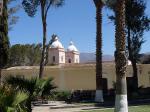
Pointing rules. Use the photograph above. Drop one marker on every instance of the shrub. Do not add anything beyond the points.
(60, 95)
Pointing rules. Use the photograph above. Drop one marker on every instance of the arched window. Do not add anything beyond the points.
(69, 61)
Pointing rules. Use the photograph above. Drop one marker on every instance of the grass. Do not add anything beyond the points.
(143, 108)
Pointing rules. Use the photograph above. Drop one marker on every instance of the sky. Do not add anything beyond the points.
(74, 21)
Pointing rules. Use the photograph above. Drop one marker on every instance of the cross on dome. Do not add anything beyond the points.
(56, 43)
(56, 38)
(71, 43)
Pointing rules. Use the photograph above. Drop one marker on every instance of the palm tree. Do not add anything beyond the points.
(34, 87)
(121, 104)
(99, 88)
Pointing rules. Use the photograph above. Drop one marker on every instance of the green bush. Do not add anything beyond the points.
(60, 95)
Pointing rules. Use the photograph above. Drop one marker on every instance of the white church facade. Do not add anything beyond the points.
(58, 55)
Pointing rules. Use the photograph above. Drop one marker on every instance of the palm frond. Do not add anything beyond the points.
(20, 97)
(23, 84)
(45, 86)
(12, 100)
(20, 101)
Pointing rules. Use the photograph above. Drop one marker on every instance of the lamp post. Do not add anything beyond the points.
(121, 103)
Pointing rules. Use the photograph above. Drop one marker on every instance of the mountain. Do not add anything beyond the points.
(90, 58)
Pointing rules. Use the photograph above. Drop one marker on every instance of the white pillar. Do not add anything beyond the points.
(121, 103)
(99, 96)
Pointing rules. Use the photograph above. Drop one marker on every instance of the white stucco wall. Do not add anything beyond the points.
(58, 53)
(69, 55)
(76, 58)
(62, 57)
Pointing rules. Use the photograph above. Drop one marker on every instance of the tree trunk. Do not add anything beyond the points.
(129, 43)
(46, 55)
(4, 41)
(0, 76)
(121, 104)
(133, 61)
(44, 42)
(135, 77)
(99, 87)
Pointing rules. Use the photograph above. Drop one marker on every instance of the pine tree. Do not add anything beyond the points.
(4, 41)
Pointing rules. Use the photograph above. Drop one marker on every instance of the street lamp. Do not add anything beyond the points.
(1, 7)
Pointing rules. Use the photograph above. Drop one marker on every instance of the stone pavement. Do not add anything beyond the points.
(57, 106)
(60, 106)
(47, 109)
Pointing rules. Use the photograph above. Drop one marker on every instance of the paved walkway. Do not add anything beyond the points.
(63, 107)
(79, 109)
(57, 106)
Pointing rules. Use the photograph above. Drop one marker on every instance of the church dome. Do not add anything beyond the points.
(56, 44)
(71, 47)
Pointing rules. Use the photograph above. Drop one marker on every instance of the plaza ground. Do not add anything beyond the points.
(140, 108)
(62, 107)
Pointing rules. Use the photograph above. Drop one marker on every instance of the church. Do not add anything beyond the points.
(58, 55)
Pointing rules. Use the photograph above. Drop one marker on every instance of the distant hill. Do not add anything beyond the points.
(145, 58)
(90, 58)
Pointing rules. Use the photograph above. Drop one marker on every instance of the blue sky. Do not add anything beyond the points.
(74, 21)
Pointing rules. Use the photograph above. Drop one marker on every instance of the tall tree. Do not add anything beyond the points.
(4, 41)
(31, 7)
(121, 104)
(137, 23)
(34, 51)
(99, 88)
(17, 55)
(12, 10)
(23, 54)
